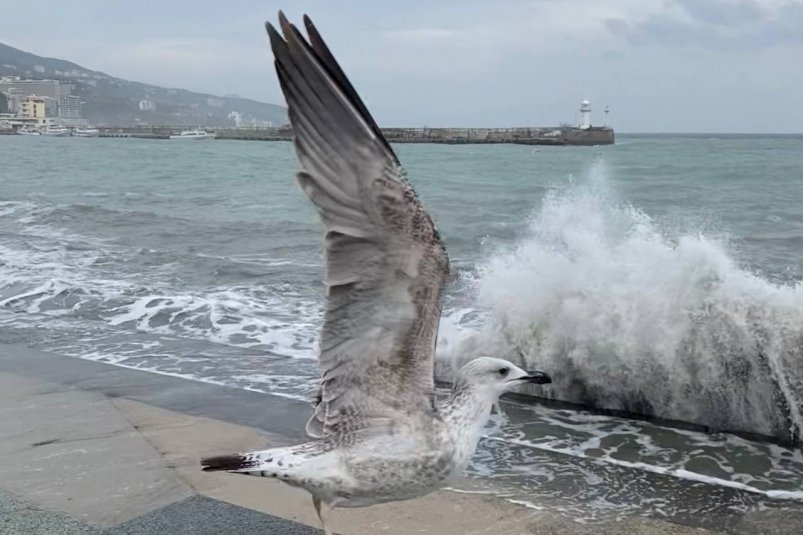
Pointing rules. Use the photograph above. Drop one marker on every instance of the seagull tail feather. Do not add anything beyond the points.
(275, 462)
(231, 462)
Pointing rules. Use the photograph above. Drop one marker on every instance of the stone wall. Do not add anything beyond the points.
(524, 136)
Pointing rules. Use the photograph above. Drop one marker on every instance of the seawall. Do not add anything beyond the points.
(522, 136)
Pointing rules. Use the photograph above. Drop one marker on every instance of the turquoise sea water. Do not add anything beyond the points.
(660, 275)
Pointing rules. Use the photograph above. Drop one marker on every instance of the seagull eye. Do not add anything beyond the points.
(503, 371)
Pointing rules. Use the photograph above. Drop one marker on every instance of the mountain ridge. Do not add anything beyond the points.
(109, 100)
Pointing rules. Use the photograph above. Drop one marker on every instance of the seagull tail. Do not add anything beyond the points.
(277, 462)
(230, 463)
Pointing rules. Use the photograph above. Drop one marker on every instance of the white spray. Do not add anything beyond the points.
(624, 317)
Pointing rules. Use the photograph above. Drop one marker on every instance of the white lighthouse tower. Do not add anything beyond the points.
(585, 115)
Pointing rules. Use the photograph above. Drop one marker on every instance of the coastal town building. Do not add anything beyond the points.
(39, 101)
(69, 107)
(13, 99)
(33, 107)
(40, 88)
(237, 118)
(51, 106)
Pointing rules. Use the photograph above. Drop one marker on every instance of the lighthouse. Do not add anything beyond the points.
(585, 115)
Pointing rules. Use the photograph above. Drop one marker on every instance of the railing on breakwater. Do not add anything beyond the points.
(523, 136)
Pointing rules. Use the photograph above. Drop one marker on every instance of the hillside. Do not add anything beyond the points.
(114, 101)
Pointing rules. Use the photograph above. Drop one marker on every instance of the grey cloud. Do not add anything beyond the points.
(721, 12)
(716, 24)
(656, 30)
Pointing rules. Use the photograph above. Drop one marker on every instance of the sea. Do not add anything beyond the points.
(661, 275)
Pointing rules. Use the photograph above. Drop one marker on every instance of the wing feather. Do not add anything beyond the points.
(385, 265)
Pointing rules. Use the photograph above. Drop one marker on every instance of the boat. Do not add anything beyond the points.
(28, 131)
(193, 134)
(58, 131)
(86, 132)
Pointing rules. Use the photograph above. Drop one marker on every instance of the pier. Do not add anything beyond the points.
(559, 135)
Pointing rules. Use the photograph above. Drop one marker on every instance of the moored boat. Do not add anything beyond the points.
(86, 132)
(193, 134)
(28, 131)
(58, 131)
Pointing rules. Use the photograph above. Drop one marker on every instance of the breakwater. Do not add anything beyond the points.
(522, 136)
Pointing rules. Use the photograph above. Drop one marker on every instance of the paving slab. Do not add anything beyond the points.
(71, 450)
(199, 515)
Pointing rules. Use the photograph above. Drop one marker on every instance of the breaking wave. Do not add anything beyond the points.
(627, 316)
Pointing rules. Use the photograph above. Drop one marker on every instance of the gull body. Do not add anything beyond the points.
(379, 434)
(406, 460)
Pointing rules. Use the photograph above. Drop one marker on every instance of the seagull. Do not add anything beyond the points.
(379, 434)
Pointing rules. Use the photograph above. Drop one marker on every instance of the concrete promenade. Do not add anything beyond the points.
(92, 448)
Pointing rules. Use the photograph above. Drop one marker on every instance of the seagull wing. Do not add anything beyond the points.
(385, 265)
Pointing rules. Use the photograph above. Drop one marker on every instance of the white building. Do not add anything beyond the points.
(236, 117)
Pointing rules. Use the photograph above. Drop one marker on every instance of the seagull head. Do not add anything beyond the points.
(497, 376)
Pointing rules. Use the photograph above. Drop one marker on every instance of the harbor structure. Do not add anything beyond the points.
(585, 133)
(585, 115)
(563, 135)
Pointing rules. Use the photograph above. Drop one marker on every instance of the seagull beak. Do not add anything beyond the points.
(537, 378)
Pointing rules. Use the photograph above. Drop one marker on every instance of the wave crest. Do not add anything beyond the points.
(626, 317)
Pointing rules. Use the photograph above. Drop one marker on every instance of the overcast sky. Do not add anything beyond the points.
(661, 65)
